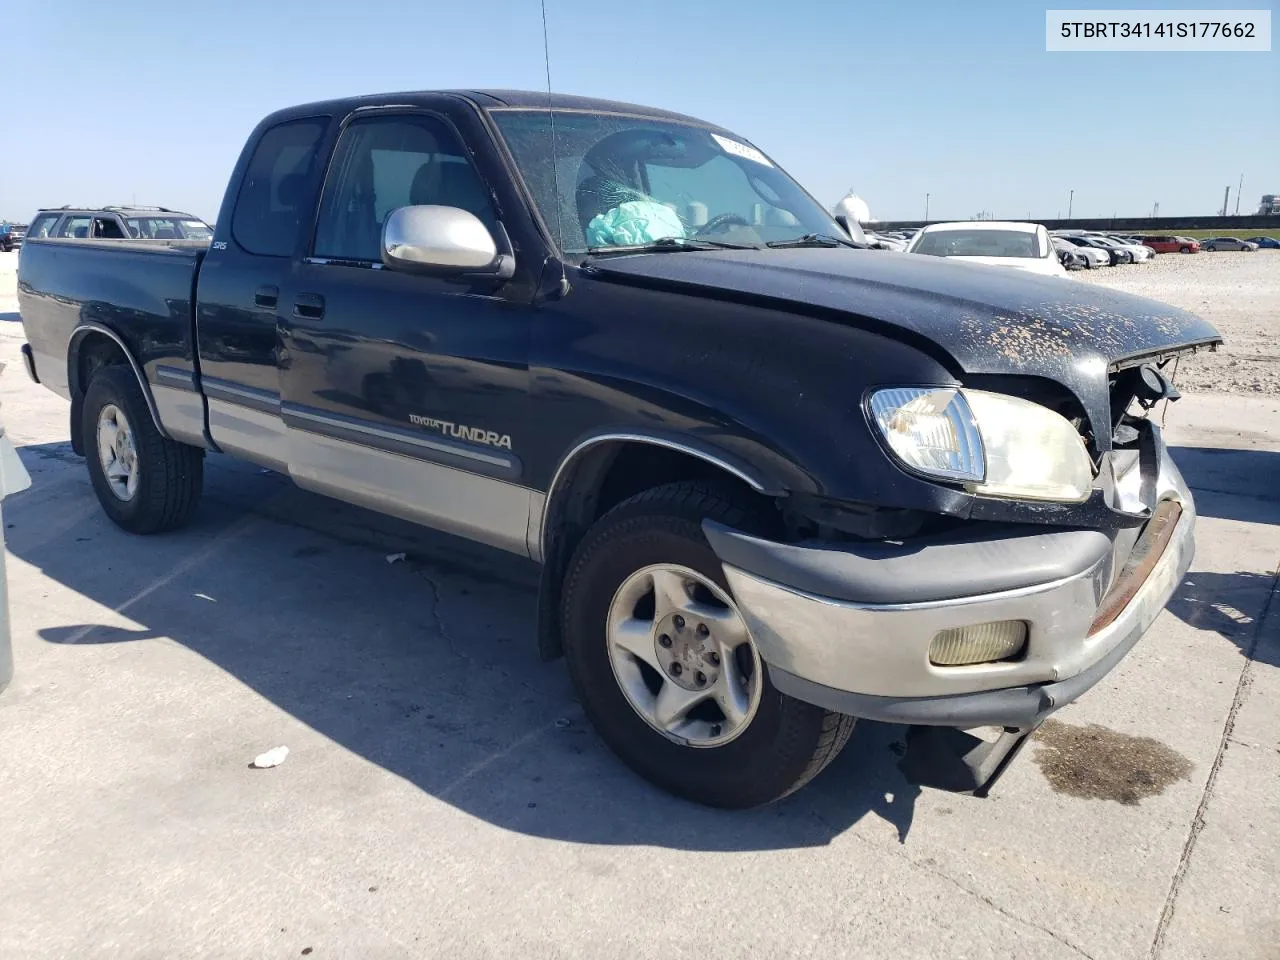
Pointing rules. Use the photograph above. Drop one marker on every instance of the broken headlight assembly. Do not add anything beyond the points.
(993, 444)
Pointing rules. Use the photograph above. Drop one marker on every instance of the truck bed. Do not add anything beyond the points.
(141, 290)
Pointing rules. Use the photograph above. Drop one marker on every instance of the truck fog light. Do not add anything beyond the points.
(979, 643)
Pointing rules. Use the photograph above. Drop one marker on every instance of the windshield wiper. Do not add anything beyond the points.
(667, 244)
(814, 240)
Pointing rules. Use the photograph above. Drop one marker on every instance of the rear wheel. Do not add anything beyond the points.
(664, 663)
(145, 482)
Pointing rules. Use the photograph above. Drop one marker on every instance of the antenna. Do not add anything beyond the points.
(555, 170)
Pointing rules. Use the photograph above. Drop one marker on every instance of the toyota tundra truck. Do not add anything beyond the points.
(775, 481)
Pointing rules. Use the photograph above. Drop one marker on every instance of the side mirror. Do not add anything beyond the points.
(447, 241)
(852, 228)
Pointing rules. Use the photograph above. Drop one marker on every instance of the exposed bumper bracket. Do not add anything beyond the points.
(949, 759)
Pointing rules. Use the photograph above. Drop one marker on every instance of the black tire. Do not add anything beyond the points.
(1184, 249)
(786, 744)
(171, 474)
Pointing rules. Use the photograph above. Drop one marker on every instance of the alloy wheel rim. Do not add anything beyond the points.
(683, 656)
(118, 452)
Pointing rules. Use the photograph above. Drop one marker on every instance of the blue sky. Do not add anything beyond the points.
(112, 102)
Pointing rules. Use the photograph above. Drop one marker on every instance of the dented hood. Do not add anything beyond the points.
(989, 320)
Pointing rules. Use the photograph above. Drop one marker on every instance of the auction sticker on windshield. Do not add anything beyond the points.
(741, 150)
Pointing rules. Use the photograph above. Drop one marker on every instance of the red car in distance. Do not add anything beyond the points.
(1167, 244)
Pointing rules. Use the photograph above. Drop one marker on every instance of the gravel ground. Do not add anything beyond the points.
(1239, 293)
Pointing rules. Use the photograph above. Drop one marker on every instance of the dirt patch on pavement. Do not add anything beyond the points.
(1100, 764)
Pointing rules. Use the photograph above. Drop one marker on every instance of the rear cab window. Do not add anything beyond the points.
(269, 206)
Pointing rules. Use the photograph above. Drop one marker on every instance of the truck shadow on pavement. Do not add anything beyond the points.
(1226, 483)
(1232, 605)
(425, 666)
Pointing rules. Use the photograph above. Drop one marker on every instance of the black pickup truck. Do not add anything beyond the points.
(775, 481)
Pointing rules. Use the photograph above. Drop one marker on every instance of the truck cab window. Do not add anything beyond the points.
(269, 207)
(385, 163)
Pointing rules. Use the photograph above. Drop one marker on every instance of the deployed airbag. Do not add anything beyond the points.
(634, 223)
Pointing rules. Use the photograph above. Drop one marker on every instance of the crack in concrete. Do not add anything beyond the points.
(977, 895)
(1198, 821)
(1004, 912)
(437, 617)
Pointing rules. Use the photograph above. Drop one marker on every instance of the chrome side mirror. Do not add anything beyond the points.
(444, 240)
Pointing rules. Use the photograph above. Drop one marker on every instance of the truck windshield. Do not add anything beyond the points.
(627, 181)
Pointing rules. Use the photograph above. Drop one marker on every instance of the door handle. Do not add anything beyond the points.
(308, 306)
(266, 297)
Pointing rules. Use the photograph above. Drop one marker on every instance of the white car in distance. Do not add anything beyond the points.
(1004, 243)
(1093, 257)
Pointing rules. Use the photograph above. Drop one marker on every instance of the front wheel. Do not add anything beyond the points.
(1184, 249)
(145, 482)
(664, 663)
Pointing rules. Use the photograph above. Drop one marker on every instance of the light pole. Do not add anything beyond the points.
(926, 208)
(1070, 203)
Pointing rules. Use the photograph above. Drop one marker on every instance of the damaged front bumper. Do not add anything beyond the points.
(850, 628)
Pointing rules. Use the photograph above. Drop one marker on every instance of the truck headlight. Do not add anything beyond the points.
(996, 445)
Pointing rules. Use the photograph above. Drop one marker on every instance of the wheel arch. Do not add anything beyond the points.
(600, 471)
(90, 346)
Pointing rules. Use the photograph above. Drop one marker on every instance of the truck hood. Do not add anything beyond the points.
(987, 320)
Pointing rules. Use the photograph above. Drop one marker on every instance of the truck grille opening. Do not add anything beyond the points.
(1142, 560)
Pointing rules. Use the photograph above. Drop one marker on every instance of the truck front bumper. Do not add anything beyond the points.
(850, 627)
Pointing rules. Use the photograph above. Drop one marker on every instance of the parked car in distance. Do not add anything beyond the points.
(12, 235)
(1113, 252)
(1138, 252)
(884, 241)
(1126, 251)
(1072, 257)
(1265, 243)
(119, 223)
(1228, 243)
(1093, 256)
(774, 481)
(1003, 243)
(1172, 244)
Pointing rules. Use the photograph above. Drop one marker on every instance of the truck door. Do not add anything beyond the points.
(402, 392)
(244, 285)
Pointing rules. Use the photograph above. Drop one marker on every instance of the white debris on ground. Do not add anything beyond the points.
(272, 758)
(1239, 293)
(395, 557)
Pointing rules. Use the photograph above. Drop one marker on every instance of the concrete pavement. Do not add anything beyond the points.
(444, 797)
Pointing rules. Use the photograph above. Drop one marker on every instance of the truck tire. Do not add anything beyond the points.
(649, 627)
(145, 483)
